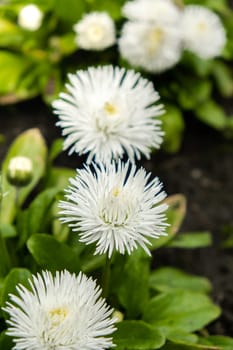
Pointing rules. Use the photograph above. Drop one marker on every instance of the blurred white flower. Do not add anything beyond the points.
(155, 47)
(61, 312)
(116, 207)
(203, 31)
(30, 17)
(95, 31)
(159, 11)
(108, 112)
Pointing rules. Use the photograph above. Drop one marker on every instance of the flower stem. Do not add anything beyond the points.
(106, 277)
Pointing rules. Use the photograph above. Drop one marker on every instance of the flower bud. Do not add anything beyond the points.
(30, 17)
(19, 172)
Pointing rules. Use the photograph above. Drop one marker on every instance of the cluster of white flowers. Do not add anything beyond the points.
(158, 31)
(155, 34)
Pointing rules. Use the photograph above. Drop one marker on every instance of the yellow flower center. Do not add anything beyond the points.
(110, 109)
(58, 315)
(116, 191)
(95, 32)
(202, 27)
(154, 39)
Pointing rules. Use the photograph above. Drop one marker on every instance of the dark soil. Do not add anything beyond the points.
(202, 171)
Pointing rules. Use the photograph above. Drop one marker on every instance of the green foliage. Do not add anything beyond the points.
(168, 279)
(137, 335)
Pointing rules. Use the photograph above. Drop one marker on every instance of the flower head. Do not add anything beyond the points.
(115, 207)
(30, 17)
(95, 31)
(203, 32)
(109, 111)
(159, 11)
(61, 312)
(19, 172)
(155, 47)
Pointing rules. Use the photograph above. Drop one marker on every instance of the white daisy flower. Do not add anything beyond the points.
(160, 11)
(109, 111)
(155, 47)
(95, 31)
(115, 207)
(30, 17)
(61, 312)
(203, 31)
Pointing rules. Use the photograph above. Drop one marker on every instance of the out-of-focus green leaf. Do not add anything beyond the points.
(191, 240)
(30, 144)
(167, 279)
(113, 8)
(175, 216)
(6, 342)
(224, 78)
(70, 10)
(137, 335)
(222, 342)
(59, 177)
(212, 114)
(173, 126)
(15, 276)
(8, 231)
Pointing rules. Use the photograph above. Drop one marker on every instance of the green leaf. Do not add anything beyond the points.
(55, 149)
(212, 114)
(173, 127)
(172, 345)
(223, 77)
(185, 310)
(59, 177)
(130, 282)
(8, 231)
(53, 255)
(191, 240)
(6, 342)
(168, 279)
(175, 216)
(32, 145)
(137, 335)
(69, 10)
(113, 8)
(224, 343)
(193, 91)
(39, 210)
(15, 276)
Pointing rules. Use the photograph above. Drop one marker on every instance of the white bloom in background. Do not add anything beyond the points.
(203, 31)
(30, 17)
(108, 112)
(155, 47)
(160, 11)
(61, 312)
(115, 207)
(95, 31)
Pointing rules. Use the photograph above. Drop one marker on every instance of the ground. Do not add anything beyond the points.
(201, 170)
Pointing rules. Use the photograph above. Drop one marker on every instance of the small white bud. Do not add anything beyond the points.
(30, 17)
(19, 172)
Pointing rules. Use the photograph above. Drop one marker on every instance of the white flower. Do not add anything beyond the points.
(30, 17)
(203, 32)
(95, 31)
(109, 111)
(160, 11)
(115, 207)
(155, 47)
(61, 312)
